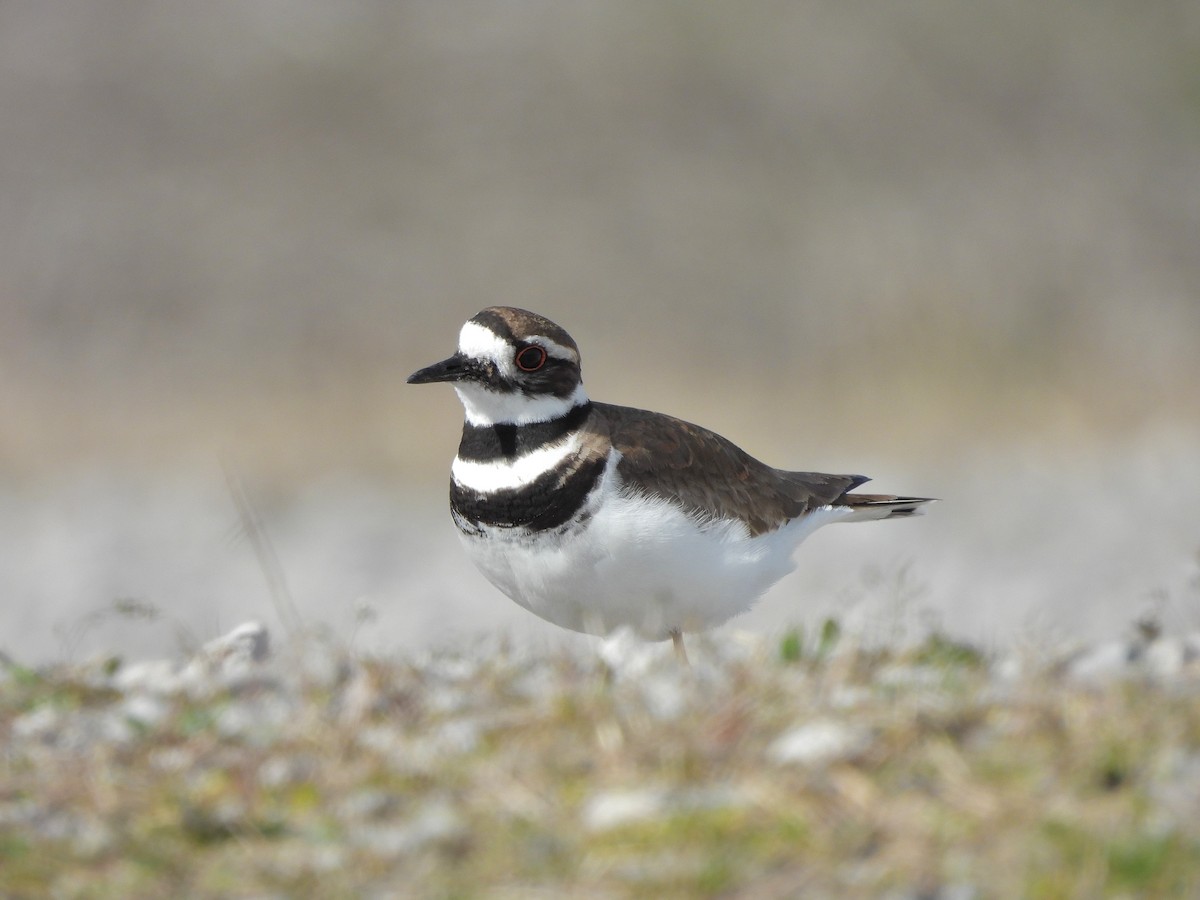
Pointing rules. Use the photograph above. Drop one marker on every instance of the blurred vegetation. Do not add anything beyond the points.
(246, 223)
(498, 772)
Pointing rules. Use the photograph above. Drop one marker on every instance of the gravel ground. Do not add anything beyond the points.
(814, 765)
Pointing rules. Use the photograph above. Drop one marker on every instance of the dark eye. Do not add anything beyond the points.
(531, 358)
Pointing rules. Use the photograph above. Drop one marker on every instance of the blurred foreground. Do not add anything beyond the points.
(809, 766)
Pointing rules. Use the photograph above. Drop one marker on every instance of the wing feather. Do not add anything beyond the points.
(709, 475)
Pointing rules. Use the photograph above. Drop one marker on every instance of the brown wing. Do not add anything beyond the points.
(710, 475)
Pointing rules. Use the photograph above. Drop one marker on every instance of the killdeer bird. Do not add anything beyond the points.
(599, 517)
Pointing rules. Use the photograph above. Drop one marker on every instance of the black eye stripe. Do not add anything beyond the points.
(530, 358)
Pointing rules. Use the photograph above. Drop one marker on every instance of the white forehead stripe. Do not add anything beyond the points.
(501, 475)
(483, 343)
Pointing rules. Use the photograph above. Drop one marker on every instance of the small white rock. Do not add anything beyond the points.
(628, 655)
(458, 736)
(147, 710)
(155, 676)
(1009, 668)
(663, 695)
(849, 697)
(42, 723)
(249, 643)
(226, 660)
(436, 822)
(1101, 662)
(613, 809)
(818, 743)
(1165, 658)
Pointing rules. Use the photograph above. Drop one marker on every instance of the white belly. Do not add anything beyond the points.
(639, 563)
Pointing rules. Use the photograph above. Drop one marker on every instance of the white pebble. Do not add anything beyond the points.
(818, 743)
(613, 809)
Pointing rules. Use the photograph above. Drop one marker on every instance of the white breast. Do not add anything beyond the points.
(639, 563)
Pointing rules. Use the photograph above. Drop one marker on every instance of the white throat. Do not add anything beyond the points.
(485, 407)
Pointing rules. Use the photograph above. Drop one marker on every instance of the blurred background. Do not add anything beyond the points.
(952, 246)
